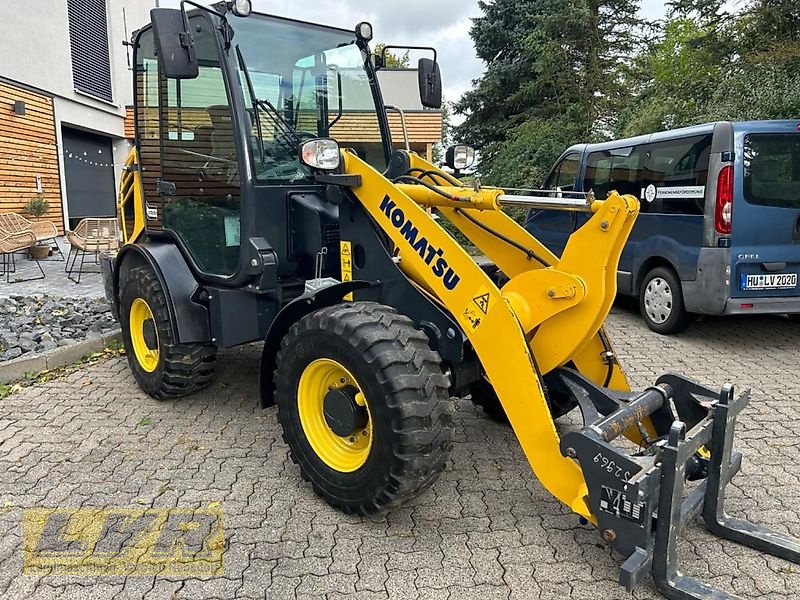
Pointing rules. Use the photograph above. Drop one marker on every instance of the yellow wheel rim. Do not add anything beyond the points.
(139, 317)
(341, 453)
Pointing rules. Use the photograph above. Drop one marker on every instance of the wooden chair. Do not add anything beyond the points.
(44, 231)
(91, 236)
(11, 242)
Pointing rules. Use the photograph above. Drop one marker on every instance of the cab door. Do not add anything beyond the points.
(190, 168)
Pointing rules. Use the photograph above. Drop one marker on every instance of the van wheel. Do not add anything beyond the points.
(661, 302)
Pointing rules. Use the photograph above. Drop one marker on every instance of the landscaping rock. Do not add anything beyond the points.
(39, 323)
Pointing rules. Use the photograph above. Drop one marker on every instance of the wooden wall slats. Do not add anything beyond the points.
(422, 126)
(28, 148)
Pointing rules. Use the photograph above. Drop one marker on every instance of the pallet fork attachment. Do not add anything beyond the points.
(548, 319)
(639, 500)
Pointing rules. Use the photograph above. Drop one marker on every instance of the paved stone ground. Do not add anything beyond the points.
(55, 282)
(485, 530)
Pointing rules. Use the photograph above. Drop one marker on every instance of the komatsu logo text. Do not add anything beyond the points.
(433, 256)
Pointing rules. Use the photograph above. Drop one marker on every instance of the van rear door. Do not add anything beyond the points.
(765, 224)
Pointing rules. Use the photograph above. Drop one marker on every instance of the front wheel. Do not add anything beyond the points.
(162, 368)
(661, 302)
(364, 406)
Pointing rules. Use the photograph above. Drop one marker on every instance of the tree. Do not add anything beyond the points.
(554, 76)
(713, 65)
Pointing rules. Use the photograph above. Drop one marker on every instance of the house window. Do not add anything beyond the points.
(88, 37)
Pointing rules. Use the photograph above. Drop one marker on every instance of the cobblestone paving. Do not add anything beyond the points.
(485, 530)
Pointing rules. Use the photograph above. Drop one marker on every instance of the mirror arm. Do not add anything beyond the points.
(386, 48)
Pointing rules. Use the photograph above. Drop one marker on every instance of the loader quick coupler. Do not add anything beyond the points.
(686, 433)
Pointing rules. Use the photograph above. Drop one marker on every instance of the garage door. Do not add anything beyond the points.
(89, 174)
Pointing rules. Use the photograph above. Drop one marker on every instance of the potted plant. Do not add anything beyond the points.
(37, 207)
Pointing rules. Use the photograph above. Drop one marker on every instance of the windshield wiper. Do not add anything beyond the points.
(251, 89)
(280, 123)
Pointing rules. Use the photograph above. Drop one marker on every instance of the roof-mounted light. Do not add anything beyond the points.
(364, 31)
(241, 8)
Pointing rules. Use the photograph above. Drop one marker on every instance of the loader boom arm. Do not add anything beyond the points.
(542, 318)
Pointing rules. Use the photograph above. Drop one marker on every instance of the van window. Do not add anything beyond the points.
(772, 169)
(675, 173)
(564, 174)
(619, 169)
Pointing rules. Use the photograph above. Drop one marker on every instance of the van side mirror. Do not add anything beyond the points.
(430, 83)
(177, 57)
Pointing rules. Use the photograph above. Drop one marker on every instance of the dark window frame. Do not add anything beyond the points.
(90, 49)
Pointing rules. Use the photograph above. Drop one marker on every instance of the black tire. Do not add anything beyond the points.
(661, 302)
(181, 369)
(406, 392)
(559, 400)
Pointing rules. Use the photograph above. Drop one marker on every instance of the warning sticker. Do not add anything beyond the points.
(346, 260)
(482, 302)
(478, 307)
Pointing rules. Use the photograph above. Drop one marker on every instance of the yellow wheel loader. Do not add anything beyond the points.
(264, 201)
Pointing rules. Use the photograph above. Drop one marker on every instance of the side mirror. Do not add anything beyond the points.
(174, 44)
(430, 83)
(459, 158)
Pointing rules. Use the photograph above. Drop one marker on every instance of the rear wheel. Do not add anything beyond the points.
(161, 367)
(364, 406)
(661, 302)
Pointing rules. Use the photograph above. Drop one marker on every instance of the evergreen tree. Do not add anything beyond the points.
(555, 72)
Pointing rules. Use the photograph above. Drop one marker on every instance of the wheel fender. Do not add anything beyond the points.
(288, 316)
(189, 319)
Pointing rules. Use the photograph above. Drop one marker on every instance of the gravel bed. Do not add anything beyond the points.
(37, 323)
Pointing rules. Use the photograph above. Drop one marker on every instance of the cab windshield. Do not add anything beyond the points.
(303, 81)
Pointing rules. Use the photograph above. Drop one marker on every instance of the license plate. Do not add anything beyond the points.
(769, 281)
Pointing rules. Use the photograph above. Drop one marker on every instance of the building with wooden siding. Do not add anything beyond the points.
(64, 86)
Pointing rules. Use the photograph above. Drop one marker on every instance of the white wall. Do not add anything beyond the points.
(400, 88)
(35, 50)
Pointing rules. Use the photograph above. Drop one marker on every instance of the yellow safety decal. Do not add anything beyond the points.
(477, 308)
(346, 259)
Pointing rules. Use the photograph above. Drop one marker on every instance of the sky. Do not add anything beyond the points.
(443, 24)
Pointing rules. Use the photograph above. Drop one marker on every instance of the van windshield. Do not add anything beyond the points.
(772, 169)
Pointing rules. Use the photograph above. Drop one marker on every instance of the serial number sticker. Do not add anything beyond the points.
(615, 503)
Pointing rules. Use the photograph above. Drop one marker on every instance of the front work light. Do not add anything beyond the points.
(459, 158)
(322, 154)
(364, 31)
(241, 8)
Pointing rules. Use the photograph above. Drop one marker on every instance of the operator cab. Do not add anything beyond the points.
(223, 105)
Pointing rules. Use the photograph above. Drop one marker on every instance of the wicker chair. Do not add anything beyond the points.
(11, 242)
(91, 236)
(44, 231)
